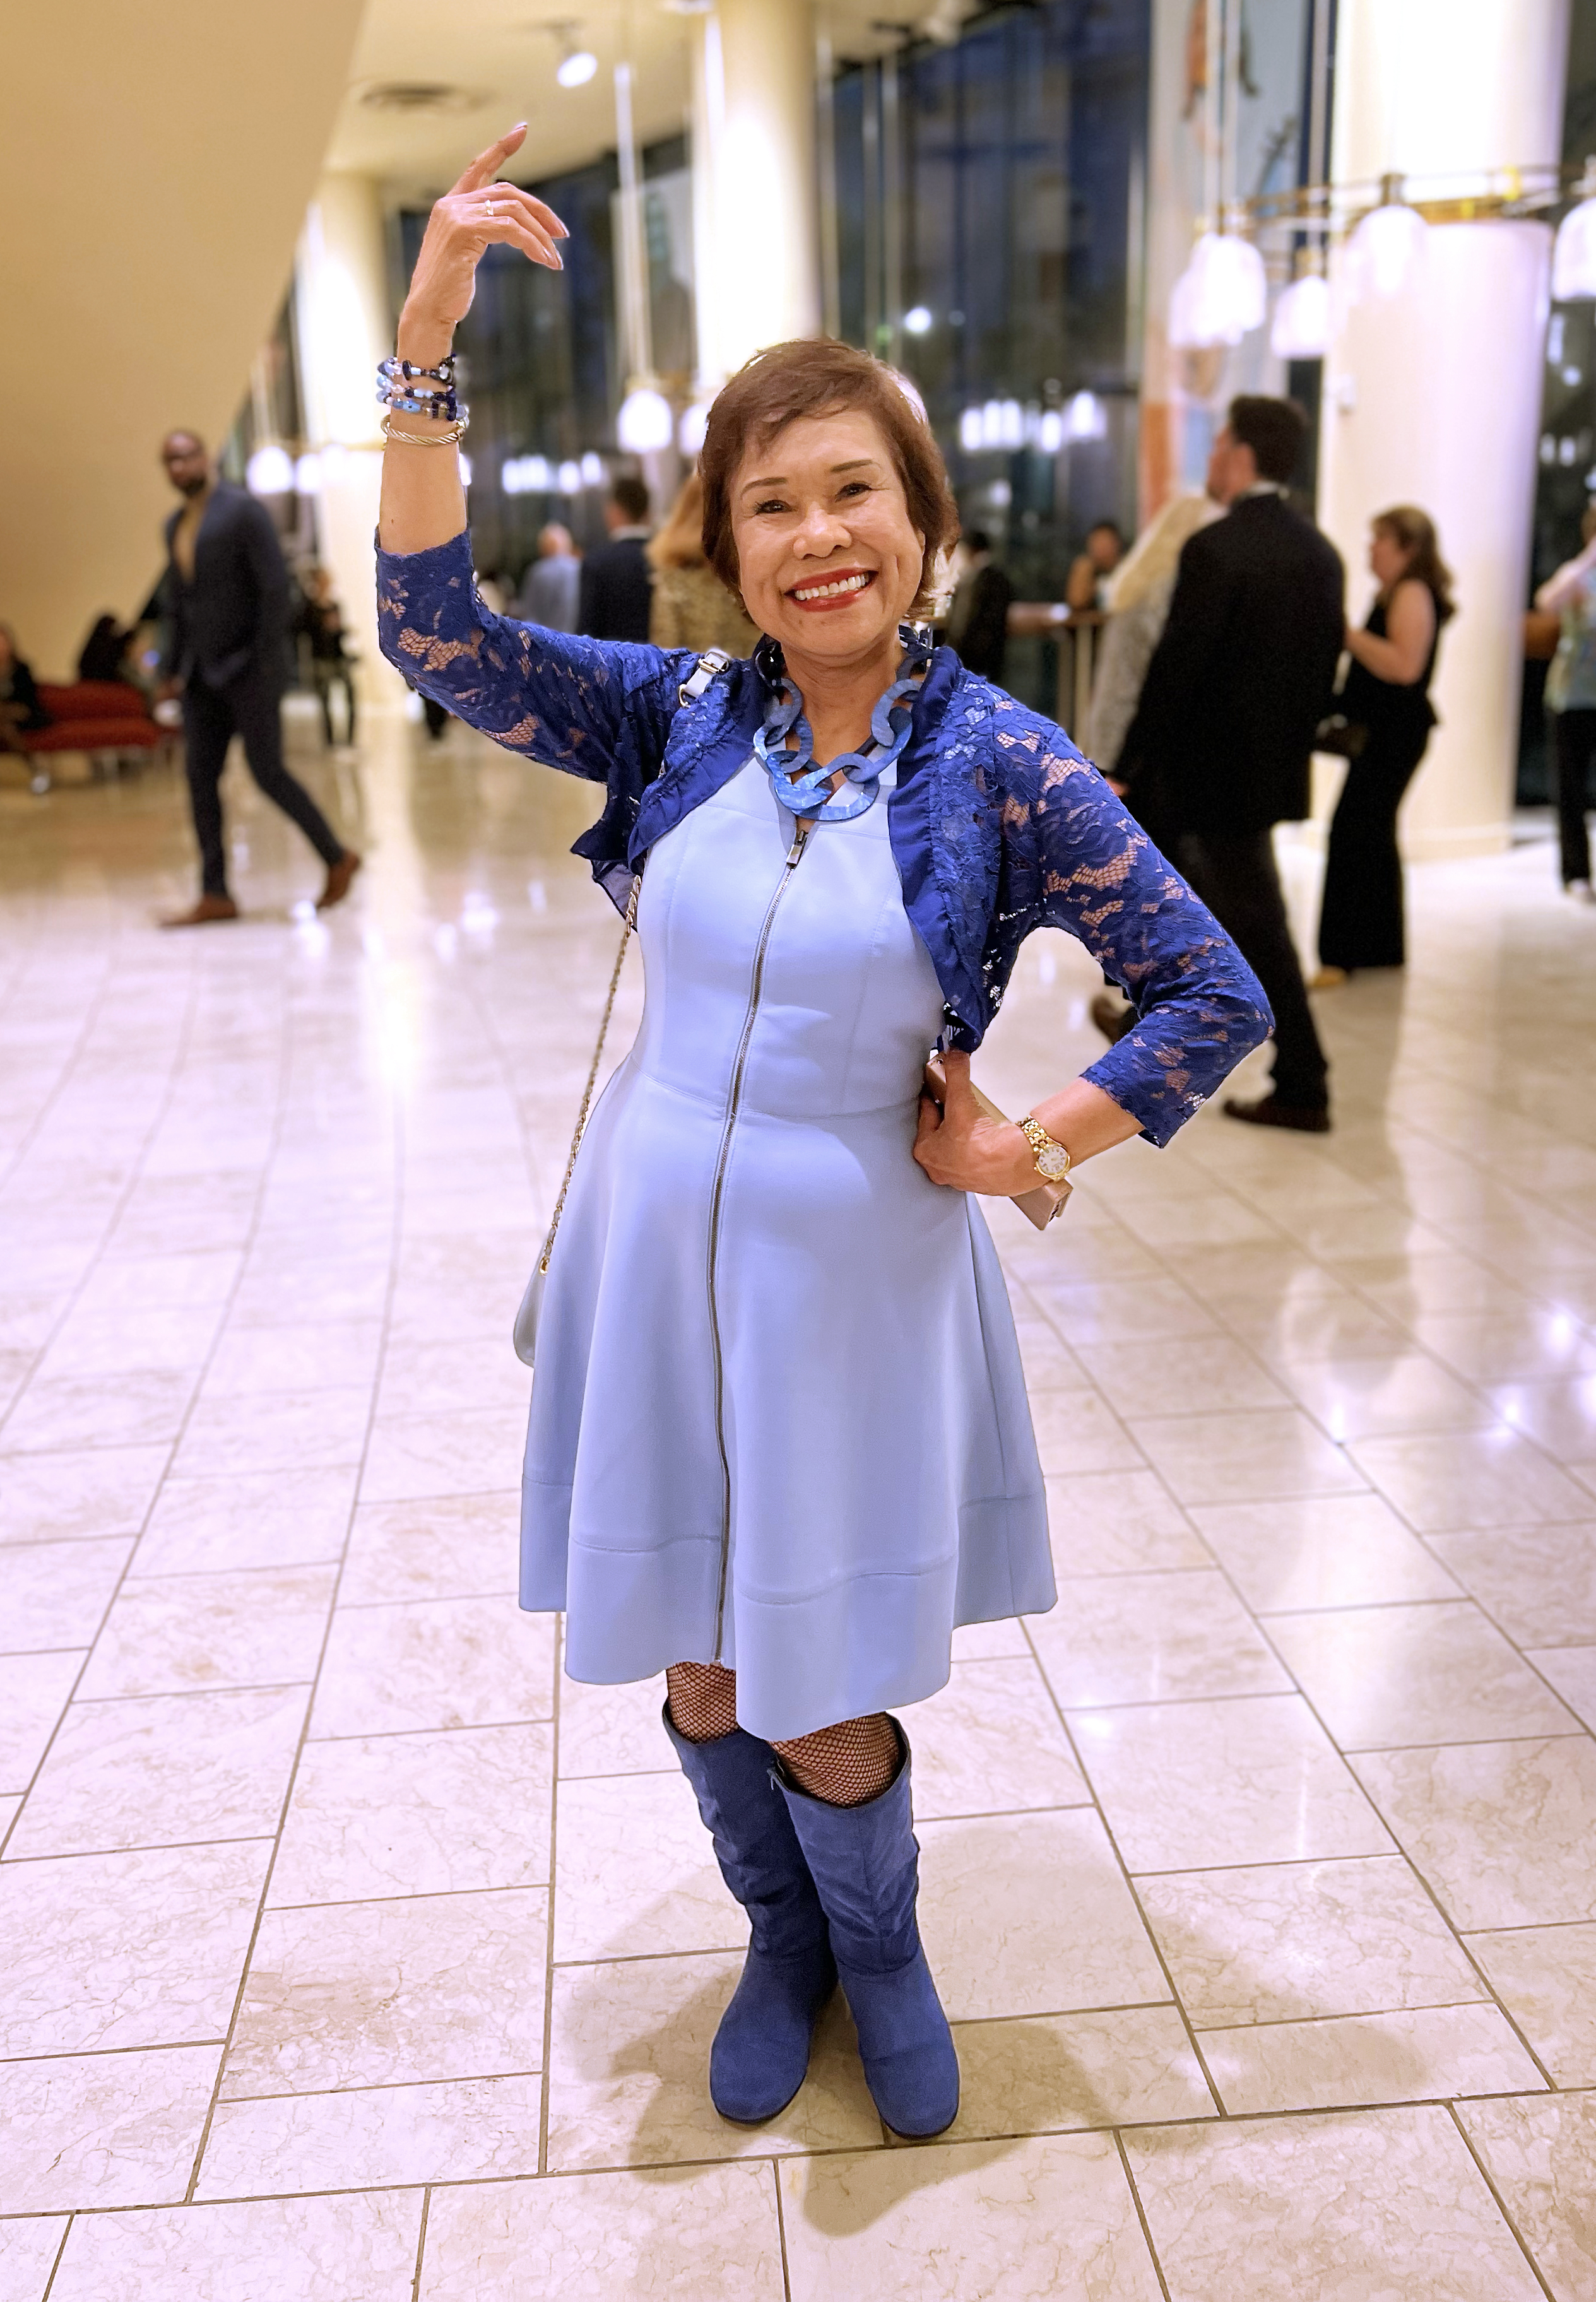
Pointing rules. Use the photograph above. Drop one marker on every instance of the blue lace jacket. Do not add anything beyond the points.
(998, 825)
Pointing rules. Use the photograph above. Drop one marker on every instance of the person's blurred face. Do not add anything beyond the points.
(187, 466)
(1103, 549)
(1233, 468)
(829, 561)
(555, 542)
(1389, 558)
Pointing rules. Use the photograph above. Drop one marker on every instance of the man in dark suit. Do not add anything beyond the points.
(227, 598)
(977, 622)
(1220, 749)
(618, 582)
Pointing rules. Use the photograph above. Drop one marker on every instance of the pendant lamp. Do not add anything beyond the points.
(1386, 245)
(1301, 328)
(645, 422)
(1220, 296)
(270, 471)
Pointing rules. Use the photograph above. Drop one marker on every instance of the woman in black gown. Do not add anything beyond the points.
(1386, 694)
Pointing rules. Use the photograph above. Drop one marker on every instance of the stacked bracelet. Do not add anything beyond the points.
(401, 371)
(449, 438)
(396, 380)
(443, 405)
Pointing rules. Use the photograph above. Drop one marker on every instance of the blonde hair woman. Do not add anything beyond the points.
(691, 606)
(1139, 595)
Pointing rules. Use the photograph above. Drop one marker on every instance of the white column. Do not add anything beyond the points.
(1433, 397)
(756, 257)
(341, 309)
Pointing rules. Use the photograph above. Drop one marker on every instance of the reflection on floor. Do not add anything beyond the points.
(350, 1954)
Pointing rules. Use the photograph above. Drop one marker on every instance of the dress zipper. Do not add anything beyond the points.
(717, 1195)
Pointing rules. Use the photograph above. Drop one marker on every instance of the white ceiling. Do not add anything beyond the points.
(499, 58)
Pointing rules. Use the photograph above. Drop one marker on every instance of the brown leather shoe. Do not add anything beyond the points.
(1112, 1015)
(1305, 1119)
(339, 876)
(202, 914)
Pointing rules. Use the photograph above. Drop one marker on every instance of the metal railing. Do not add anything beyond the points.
(1074, 632)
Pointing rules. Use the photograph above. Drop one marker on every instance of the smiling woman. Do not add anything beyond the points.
(779, 1441)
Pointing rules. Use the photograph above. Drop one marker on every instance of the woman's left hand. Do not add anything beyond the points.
(963, 1150)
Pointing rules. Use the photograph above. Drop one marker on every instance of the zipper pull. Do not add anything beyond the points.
(800, 841)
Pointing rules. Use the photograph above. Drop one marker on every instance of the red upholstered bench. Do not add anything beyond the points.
(97, 715)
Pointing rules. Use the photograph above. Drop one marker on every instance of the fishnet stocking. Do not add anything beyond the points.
(703, 1700)
(845, 1765)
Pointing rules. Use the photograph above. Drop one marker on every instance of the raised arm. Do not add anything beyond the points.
(423, 502)
(590, 709)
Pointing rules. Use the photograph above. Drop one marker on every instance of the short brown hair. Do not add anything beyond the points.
(1273, 429)
(630, 497)
(814, 377)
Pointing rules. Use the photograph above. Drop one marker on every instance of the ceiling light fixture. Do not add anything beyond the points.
(1220, 296)
(1386, 245)
(1301, 326)
(576, 64)
(270, 471)
(646, 424)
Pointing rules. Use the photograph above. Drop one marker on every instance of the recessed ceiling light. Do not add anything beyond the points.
(576, 68)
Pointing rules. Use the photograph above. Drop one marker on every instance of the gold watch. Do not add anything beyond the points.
(1053, 1161)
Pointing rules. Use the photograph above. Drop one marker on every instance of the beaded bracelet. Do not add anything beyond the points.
(400, 371)
(441, 403)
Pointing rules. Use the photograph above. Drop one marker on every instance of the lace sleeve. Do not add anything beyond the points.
(594, 708)
(1200, 1007)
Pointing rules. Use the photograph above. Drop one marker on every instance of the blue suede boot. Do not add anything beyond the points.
(761, 2052)
(865, 1863)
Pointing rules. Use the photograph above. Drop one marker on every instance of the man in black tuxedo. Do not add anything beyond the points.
(618, 582)
(1220, 749)
(227, 598)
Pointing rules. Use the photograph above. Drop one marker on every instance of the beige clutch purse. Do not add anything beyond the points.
(1045, 1200)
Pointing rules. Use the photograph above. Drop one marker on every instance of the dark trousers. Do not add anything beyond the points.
(1360, 913)
(331, 672)
(212, 717)
(1236, 879)
(1576, 740)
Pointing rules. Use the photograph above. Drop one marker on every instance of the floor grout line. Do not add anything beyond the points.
(285, 1077)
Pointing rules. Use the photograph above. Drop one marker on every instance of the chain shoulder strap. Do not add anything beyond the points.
(629, 922)
(710, 664)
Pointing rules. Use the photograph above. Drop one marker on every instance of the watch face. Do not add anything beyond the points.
(1053, 1164)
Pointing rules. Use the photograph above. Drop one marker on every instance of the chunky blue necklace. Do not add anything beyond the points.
(785, 745)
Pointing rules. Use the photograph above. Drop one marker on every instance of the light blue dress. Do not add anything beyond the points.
(778, 1417)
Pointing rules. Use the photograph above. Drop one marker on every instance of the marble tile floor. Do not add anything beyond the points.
(352, 1953)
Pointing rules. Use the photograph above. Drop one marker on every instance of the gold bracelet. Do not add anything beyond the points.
(449, 438)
